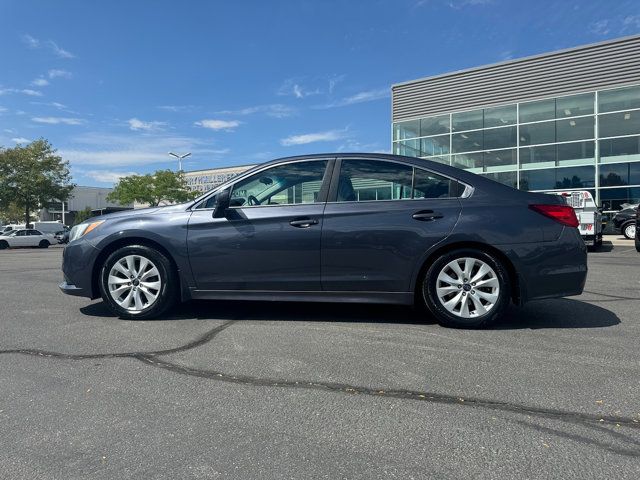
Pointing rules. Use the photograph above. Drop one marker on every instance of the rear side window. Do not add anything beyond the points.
(364, 180)
(367, 180)
(432, 185)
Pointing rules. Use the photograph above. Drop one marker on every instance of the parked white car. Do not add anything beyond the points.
(26, 238)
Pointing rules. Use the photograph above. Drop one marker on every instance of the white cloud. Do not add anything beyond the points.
(58, 120)
(26, 91)
(601, 27)
(31, 93)
(3, 109)
(107, 176)
(30, 42)
(40, 82)
(361, 97)
(334, 80)
(275, 110)
(328, 136)
(458, 4)
(33, 42)
(136, 124)
(58, 73)
(631, 21)
(228, 125)
(134, 149)
(59, 51)
(177, 108)
(292, 87)
(20, 140)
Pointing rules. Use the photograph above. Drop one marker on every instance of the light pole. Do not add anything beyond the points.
(180, 157)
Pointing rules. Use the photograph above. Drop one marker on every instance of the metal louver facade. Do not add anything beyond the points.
(591, 67)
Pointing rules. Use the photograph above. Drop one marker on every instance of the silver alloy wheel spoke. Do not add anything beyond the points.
(134, 283)
(467, 287)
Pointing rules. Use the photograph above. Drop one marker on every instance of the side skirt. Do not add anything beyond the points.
(397, 298)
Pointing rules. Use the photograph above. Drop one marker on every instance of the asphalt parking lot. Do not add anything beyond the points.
(270, 390)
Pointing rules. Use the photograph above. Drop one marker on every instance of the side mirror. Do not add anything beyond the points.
(221, 205)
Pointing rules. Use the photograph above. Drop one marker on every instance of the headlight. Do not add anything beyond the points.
(82, 229)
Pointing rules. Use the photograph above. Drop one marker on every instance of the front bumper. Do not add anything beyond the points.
(78, 259)
(71, 289)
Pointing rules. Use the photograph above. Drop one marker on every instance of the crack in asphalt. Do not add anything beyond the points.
(616, 297)
(151, 358)
(203, 339)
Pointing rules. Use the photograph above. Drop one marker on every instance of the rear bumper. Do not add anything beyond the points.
(550, 269)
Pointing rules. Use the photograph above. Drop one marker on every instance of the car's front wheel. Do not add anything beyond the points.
(44, 244)
(466, 288)
(138, 282)
(3, 244)
(629, 230)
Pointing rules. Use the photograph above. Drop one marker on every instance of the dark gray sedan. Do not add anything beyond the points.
(337, 228)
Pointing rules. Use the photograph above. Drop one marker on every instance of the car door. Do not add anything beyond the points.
(381, 218)
(269, 237)
(20, 239)
(34, 237)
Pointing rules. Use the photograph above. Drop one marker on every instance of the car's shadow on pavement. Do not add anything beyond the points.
(556, 313)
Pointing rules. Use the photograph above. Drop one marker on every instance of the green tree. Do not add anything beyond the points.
(32, 177)
(12, 213)
(82, 215)
(163, 186)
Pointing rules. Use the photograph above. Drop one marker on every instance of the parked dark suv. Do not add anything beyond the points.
(625, 222)
(340, 228)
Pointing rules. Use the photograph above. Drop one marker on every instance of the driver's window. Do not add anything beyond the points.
(289, 184)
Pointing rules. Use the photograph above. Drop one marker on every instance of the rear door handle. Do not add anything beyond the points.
(426, 215)
(303, 222)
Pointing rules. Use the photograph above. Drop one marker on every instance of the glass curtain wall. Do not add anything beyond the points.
(584, 141)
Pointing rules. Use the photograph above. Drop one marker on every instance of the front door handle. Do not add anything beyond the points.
(303, 222)
(426, 215)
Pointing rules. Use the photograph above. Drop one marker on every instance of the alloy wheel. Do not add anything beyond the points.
(134, 283)
(630, 231)
(467, 287)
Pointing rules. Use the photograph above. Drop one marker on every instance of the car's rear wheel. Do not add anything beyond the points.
(629, 230)
(466, 288)
(138, 282)
(43, 244)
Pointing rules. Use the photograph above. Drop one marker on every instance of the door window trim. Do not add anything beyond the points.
(322, 194)
(335, 180)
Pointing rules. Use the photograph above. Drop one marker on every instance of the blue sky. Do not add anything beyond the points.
(115, 85)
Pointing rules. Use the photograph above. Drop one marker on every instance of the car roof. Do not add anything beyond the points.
(462, 175)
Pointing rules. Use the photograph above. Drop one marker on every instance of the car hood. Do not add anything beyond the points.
(181, 207)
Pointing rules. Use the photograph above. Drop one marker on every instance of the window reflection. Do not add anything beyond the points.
(466, 120)
(617, 124)
(619, 99)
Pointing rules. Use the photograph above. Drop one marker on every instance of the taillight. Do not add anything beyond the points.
(563, 214)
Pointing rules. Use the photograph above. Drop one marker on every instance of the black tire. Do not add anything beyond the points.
(167, 295)
(3, 245)
(44, 244)
(448, 319)
(626, 227)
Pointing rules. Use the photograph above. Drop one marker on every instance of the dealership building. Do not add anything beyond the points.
(563, 120)
(205, 180)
